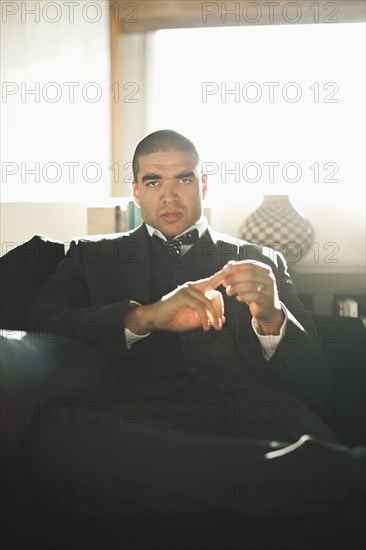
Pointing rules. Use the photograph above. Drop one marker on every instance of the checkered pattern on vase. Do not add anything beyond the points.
(276, 223)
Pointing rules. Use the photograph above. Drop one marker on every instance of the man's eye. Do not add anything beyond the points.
(185, 180)
(152, 183)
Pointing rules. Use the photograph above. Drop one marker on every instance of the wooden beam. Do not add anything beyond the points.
(150, 15)
(115, 114)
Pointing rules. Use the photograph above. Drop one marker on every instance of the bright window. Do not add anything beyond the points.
(271, 109)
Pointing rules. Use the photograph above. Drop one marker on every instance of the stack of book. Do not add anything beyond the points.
(346, 307)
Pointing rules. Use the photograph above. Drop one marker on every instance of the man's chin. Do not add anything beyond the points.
(172, 226)
(170, 232)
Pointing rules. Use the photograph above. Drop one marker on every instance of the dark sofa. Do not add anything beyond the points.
(25, 268)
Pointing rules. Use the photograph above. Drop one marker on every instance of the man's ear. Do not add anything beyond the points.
(135, 192)
(204, 185)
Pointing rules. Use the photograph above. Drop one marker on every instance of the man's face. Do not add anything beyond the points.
(169, 191)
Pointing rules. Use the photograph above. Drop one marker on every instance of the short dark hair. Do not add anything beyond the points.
(162, 140)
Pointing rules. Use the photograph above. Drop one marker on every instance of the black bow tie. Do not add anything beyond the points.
(174, 245)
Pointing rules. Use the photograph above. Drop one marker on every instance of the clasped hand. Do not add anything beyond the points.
(199, 303)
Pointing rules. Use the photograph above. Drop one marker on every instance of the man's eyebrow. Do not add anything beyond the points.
(150, 176)
(183, 175)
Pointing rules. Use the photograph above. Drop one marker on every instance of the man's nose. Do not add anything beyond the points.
(169, 192)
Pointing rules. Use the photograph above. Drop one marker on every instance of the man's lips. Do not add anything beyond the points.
(173, 216)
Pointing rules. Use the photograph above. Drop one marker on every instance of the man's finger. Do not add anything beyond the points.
(218, 301)
(213, 303)
(210, 283)
(245, 265)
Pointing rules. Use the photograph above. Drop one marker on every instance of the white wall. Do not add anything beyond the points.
(54, 126)
(59, 222)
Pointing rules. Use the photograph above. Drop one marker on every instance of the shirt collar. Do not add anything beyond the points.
(201, 225)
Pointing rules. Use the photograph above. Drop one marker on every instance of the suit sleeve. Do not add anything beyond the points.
(299, 360)
(63, 307)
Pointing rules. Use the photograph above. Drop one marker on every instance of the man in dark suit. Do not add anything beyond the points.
(206, 338)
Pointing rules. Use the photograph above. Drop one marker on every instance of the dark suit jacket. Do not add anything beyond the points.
(87, 298)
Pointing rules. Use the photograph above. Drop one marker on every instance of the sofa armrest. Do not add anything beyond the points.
(343, 341)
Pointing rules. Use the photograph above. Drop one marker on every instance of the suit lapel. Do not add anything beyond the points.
(222, 251)
(134, 252)
(215, 254)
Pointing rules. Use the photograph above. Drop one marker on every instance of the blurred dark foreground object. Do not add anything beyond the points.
(38, 369)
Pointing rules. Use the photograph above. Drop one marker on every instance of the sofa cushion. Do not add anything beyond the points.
(23, 271)
(343, 341)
